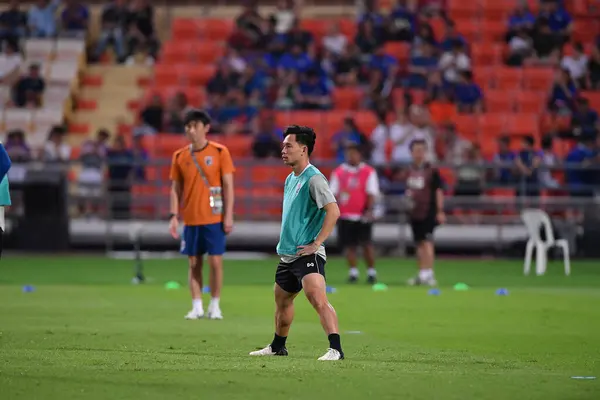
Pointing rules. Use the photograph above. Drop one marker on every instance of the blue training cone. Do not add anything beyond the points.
(28, 289)
(434, 292)
(206, 289)
(330, 289)
(502, 292)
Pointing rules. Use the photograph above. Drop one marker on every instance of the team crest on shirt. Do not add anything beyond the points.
(298, 187)
(208, 160)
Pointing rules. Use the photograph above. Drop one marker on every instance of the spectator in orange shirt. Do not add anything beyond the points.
(202, 188)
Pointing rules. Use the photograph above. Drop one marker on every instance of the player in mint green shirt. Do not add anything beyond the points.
(310, 213)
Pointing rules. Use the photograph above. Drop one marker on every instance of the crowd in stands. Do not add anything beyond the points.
(272, 63)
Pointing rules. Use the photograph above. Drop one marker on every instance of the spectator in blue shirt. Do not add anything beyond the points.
(383, 62)
(75, 18)
(504, 159)
(528, 161)
(467, 94)
(451, 37)
(41, 19)
(296, 60)
(558, 18)
(563, 94)
(422, 66)
(577, 177)
(401, 22)
(372, 15)
(585, 121)
(253, 83)
(348, 135)
(521, 19)
(313, 93)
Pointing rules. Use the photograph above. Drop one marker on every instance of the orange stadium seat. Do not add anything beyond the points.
(463, 9)
(508, 78)
(498, 101)
(522, 124)
(538, 78)
(497, 10)
(347, 98)
(400, 51)
(493, 30)
(530, 101)
(238, 145)
(175, 52)
(486, 53)
(216, 29)
(491, 125)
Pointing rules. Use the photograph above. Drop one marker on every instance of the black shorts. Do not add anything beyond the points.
(289, 275)
(422, 230)
(1, 241)
(354, 233)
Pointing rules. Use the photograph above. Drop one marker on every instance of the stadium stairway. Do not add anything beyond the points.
(103, 99)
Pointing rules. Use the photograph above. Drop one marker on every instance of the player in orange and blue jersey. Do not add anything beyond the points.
(202, 189)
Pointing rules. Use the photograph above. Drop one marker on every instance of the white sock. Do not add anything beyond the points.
(371, 271)
(425, 274)
(197, 303)
(214, 302)
(354, 272)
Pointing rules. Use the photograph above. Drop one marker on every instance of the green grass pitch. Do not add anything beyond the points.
(87, 333)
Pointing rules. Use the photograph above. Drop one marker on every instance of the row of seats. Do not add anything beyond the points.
(492, 9)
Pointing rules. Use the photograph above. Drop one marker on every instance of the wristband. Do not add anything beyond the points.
(172, 215)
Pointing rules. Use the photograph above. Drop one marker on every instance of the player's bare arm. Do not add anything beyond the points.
(332, 213)
(228, 202)
(174, 201)
(439, 198)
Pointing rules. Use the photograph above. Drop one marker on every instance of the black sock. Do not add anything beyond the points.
(278, 343)
(335, 342)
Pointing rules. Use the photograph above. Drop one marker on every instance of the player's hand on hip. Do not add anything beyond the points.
(228, 224)
(174, 227)
(308, 249)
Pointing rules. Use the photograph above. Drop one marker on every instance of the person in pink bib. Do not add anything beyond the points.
(356, 186)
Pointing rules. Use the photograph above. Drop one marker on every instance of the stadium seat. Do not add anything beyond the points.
(347, 98)
(538, 78)
(16, 118)
(528, 101)
(498, 101)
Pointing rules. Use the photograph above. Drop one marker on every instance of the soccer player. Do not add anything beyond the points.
(356, 186)
(202, 187)
(4, 190)
(424, 190)
(310, 213)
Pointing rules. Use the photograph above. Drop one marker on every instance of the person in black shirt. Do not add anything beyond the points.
(347, 67)
(140, 23)
(120, 169)
(153, 114)
(28, 90)
(113, 20)
(545, 43)
(594, 67)
(13, 22)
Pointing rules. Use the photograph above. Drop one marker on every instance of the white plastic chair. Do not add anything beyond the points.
(535, 220)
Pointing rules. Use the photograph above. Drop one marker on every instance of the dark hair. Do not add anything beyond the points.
(304, 135)
(547, 142)
(578, 46)
(196, 115)
(504, 139)
(417, 142)
(529, 140)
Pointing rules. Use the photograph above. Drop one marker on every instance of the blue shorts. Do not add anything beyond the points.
(200, 239)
